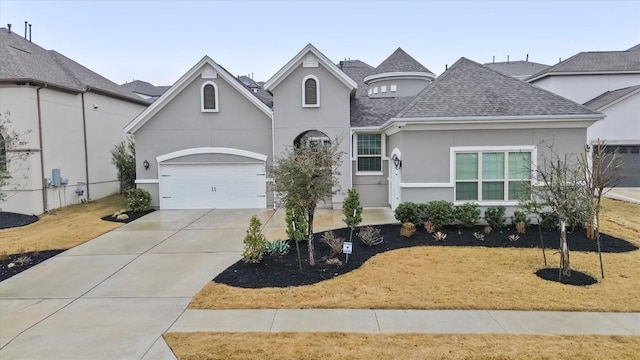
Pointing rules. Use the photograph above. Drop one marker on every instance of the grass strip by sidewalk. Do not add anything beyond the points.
(461, 278)
(63, 228)
(328, 346)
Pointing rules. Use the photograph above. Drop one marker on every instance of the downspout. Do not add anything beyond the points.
(42, 178)
(84, 132)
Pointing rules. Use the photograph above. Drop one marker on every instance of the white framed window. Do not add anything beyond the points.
(310, 91)
(492, 174)
(369, 153)
(393, 88)
(383, 88)
(375, 90)
(209, 97)
(370, 92)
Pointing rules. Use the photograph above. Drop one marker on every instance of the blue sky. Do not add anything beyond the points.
(158, 41)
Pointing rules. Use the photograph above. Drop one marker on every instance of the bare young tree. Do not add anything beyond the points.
(305, 175)
(12, 157)
(603, 170)
(560, 188)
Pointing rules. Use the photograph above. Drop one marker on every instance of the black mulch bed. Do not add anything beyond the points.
(132, 216)
(283, 271)
(9, 219)
(29, 259)
(577, 278)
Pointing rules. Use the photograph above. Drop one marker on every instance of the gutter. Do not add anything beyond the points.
(84, 132)
(42, 178)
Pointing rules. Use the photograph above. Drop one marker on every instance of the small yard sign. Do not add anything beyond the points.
(347, 247)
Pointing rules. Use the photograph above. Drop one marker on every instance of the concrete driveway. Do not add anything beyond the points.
(114, 296)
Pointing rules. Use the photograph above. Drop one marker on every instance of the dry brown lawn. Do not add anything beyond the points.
(462, 278)
(327, 346)
(63, 228)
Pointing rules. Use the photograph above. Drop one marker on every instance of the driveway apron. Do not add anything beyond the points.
(114, 296)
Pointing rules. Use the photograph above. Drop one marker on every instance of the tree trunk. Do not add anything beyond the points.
(312, 259)
(565, 268)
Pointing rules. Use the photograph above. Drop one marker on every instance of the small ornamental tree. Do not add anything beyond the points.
(296, 227)
(11, 159)
(305, 175)
(352, 210)
(255, 243)
(123, 156)
(560, 188)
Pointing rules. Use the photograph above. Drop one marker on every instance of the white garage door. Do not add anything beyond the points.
(213, 186)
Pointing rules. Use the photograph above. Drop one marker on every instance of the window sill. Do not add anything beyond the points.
(311, 106)
(488, 202)
(369, 173)
(209, 110)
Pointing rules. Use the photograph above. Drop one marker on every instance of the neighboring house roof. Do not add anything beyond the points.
(367, 112)
(298, 59)
(611, 97)
(357, 70)
(248, 82)
(519, 69)
(634, 48)
(145, 88)
(185, 80)
(24, 61)
(596, 62)
(468, 89)
(399, 61)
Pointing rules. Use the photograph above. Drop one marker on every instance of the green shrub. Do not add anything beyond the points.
(408, 212)
(139, 200)
(255, 243)
(467, 214)
(277, 247)
(123, 156)
(520, 217)
(550, 220)
(440, 213)
(295, 215)
(350, 205)
(495, 216)
(422, 212)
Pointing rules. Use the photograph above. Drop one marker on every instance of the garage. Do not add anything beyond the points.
(212, 178)
(630, 154)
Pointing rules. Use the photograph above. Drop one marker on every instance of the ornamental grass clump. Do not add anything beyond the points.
(255, 243)
(334, 242)
(370, 236)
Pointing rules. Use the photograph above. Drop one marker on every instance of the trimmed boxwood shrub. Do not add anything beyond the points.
(408, 212)
(495, 216)
(440, 213)
(139, 200)
(467, 214)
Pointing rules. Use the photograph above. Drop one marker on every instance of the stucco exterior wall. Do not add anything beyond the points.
(582, 88)
(331, 117)
(404, 87)
(622, 123)
(181, 124)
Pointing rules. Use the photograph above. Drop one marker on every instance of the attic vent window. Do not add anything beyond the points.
(209, 97)
(310, 92)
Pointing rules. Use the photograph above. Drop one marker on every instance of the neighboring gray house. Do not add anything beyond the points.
(520, 69)
(607, 82)
(74, 116)
(145, 90)
(468, 135)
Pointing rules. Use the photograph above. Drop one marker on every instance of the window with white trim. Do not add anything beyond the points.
(369, 152)
(383, 88)
(393, 88)
(310, 91)
(492, 175)
(209, 97)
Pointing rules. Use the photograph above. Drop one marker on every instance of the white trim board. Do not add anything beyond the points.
(210, 150)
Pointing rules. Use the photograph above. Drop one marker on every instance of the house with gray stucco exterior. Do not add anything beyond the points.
(471, 134)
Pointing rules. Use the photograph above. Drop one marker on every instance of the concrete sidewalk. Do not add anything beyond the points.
(409, 321)
(625, 194)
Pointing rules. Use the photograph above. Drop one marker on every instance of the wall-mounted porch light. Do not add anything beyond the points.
(396, 161)
(146, 165)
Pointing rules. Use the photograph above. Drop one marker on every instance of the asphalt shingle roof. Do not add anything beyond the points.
(608, 97)
(597, 61)
(22, 60)
(375, 111)
(634, 48)
(399, 61)
(145, 88)
(357, 70)
(519, 68)
(470, 89)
